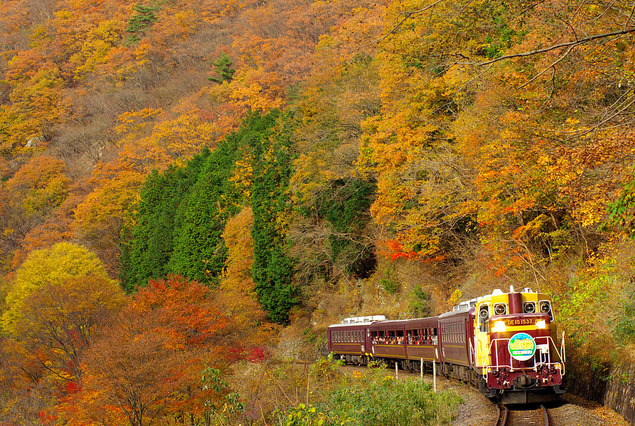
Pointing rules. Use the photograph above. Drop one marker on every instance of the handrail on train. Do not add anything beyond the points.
(549, 341)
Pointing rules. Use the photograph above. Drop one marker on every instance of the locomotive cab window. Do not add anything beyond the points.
(500, 309)
(545, 308)
(483, 317)
(529, 307)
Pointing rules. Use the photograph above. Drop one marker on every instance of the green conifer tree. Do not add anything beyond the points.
(224, 69)
(199, 251)
(147, 247)
(273, 268)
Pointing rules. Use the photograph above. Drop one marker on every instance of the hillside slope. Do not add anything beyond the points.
(415, 154)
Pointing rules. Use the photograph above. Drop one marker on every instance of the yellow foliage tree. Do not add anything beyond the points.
(236, 291)
(47, 267)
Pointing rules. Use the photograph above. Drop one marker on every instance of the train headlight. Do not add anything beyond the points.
(499, 327)
(541, 324)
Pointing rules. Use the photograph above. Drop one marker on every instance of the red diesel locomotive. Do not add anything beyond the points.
(504, 343)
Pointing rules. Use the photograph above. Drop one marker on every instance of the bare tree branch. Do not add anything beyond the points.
(628, 21)
(405, 18)
(558, 46)
(553, 64)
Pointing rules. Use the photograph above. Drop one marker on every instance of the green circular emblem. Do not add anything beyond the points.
(522, 346)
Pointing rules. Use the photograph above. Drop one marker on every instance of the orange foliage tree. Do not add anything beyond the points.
(149, 363)
(497, 127)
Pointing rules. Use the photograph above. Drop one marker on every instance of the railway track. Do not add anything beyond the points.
(525, 416)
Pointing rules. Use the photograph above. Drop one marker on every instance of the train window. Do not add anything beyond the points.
(483, 316)
(529, 307)
(500, 309)
(545, 308)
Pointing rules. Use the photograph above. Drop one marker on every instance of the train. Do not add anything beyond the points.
(505, 344)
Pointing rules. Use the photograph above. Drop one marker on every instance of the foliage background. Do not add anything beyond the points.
(305, 161)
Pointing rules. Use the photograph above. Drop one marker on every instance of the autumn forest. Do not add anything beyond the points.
(192, 191)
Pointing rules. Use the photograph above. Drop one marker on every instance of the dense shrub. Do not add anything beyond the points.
(376, 398)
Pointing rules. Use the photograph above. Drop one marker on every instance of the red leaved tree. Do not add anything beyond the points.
(149, 366)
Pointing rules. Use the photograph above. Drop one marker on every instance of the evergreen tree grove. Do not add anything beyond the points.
(273, 268)
(183, 212)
